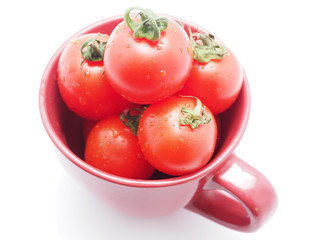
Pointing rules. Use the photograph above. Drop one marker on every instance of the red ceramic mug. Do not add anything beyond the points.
(227, 190)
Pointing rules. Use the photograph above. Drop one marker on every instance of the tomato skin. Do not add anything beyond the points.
(86, 91)
(216, 83)
(143, 71)
(112, 147)
(173, 148)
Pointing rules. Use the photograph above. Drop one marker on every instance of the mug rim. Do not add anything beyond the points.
(209, 168)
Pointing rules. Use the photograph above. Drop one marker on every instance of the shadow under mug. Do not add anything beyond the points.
(227, 190)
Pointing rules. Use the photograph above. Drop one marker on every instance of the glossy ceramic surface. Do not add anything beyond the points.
(227, 190)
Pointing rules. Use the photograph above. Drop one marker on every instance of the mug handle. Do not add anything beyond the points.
(236, 196)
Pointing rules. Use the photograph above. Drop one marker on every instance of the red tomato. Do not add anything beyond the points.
(83, 85)
(171, 146)
(217, 82)
(145, 71)
(112, 147)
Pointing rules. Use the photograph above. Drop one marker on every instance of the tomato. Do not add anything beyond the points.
(145, 71)
(177, 135)
(82, 83)
(113, 148)
(216, 82)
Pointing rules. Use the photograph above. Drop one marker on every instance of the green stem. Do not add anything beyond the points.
(194, 117)
(150, 26)
(91, 51)
(209, 49)
(132, 121)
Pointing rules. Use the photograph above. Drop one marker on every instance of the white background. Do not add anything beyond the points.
(278, 44)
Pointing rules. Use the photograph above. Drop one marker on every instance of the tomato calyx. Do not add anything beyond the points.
(150, 25)
(93, 50)
(207, 49)
(132, 121)
(194, 117)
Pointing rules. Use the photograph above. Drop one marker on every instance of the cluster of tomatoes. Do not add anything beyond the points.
(149, 94)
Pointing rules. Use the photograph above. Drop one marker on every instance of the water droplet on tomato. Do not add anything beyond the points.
(153, 152)
(189, 51)
(115, 133)
(128, 46)
(100, 144)
(146, 144)
(159, 47)
(154, 61)
(76, 42)
(76, 85)
(166, 119)
(181, 140)
(108, 143)
(152, 115)
(104, 157)
(163, 73)
(82, 101)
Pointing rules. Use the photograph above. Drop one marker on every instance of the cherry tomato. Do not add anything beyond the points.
(216, 82)
(113, 148)
(145, 71)
(82, 82)
(177, 135)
